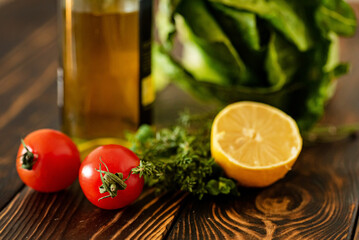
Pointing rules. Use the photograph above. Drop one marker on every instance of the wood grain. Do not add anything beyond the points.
(294, 208)
(27, 94)
(68, 215)
(2, 2)
(356, 234)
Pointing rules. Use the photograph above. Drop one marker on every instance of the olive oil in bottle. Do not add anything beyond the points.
(104, 82)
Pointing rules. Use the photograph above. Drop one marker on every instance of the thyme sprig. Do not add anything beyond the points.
(179, 158)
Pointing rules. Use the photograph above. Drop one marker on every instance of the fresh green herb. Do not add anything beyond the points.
(280, 52)
(179, 158)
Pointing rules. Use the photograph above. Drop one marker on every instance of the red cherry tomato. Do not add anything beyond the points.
(116, 163)
(48, 161)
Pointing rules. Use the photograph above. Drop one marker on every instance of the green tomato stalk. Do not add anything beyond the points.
(111, 183)
(28, 159)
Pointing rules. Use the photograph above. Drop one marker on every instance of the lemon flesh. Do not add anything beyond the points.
(254, 143)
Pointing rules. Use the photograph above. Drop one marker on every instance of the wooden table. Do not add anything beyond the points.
(318, 199)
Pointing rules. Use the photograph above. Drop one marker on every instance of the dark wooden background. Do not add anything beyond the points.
(318, 199)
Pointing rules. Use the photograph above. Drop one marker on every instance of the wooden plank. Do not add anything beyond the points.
(355, 226)
(356, 233)
(68, 215)
(27, 79)
(3, 2)
(19, 18)
(18, 119)
(310, 203)
(317, 200)
(28, 62)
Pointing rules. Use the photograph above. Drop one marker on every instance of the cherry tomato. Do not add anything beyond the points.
(105, 177)
(48, 161)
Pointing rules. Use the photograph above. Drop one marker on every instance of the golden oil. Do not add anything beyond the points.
(105, 86)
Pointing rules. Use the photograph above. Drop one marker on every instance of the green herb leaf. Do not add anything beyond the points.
(179, 158)
(281, 14)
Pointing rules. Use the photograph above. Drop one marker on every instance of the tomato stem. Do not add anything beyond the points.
(28, 158)
(111, 183)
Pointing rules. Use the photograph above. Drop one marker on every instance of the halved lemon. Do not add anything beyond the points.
(256, 144)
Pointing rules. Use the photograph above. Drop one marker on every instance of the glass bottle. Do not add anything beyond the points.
(104, 79)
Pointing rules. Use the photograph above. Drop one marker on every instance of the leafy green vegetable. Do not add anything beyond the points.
(235, 22)
(179, 158)
(336, 16)
(281, 14)
(281, 52)
(204, 33)
(281, 61)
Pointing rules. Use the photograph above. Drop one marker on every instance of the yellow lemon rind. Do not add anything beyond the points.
(254, 176)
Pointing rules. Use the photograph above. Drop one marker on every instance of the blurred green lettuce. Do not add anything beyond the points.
(280, 52)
